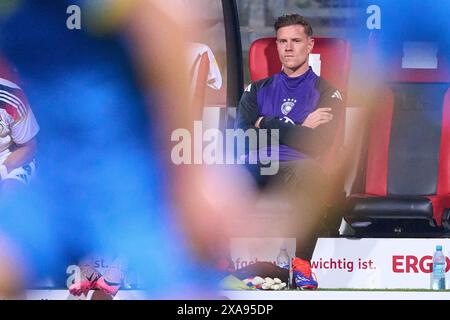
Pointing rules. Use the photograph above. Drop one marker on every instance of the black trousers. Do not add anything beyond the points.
(304, 184)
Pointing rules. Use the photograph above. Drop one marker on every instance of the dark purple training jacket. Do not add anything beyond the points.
(285, 103)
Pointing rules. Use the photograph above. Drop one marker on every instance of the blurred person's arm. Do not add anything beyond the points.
(160, 51)
(202, 196)
(248, 111)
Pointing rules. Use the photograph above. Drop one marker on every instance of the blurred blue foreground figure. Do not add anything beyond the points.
(104, 180)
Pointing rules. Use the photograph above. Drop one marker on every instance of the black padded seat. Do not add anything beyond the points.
(391, 207)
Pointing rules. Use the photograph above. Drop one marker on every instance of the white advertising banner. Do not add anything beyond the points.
(355, 263)
(376, 263)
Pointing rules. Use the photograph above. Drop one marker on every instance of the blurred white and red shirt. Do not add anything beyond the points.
(17, 122)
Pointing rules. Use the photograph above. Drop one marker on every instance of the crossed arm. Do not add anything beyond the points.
(311, 137)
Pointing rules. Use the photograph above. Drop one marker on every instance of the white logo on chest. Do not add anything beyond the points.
(287, 106)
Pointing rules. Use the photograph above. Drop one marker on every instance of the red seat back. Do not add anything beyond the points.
(409, 144)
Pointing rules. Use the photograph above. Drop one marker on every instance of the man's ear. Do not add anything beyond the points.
(310, 44)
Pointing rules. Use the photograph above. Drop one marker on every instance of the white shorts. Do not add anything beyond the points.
(22, 174)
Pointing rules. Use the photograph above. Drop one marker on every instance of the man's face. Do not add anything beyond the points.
(294, 46)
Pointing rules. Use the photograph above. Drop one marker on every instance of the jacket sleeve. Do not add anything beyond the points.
(330, 97)
(248, 112)
(298, 137)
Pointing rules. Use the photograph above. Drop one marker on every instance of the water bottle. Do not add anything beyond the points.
(438, 271)
(284, 261)
(131, 280)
